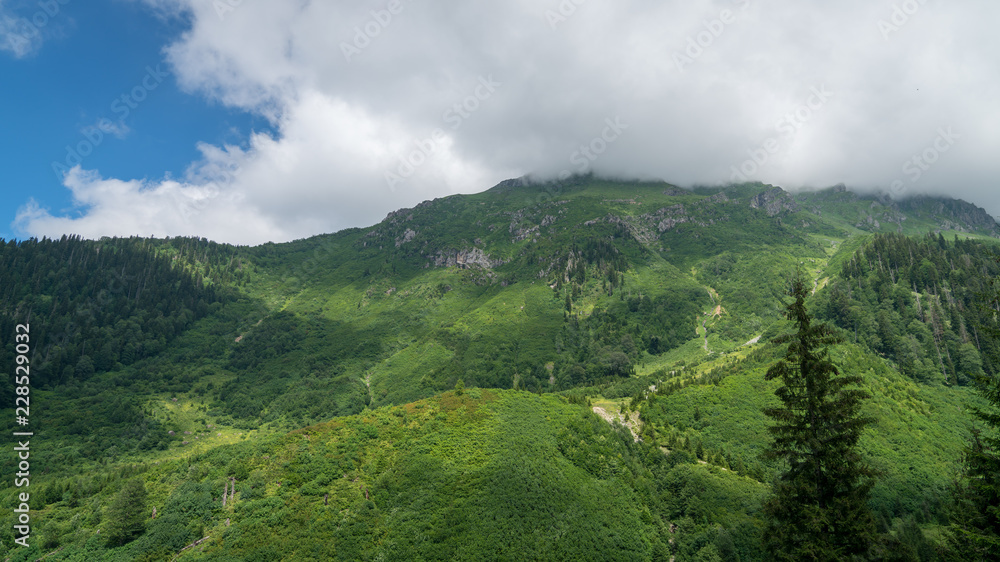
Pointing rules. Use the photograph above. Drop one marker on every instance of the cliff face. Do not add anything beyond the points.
(875, 212)
(774, 201)
(953, 214)
(466, 259)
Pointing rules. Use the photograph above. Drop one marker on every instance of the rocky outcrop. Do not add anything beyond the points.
(401, 215)
(523, 233)
(475, 257)
(647, 228)
(510, 185)
(410, 234)
(869, 223)
(466, 259)
(956, 214)
(675, 192)
(774, 201)
(669, 217)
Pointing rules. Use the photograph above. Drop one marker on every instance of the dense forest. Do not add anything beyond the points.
(919, 302)
(99, 305)
(570, 371)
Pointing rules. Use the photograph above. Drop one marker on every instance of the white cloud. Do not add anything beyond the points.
(117, 129)
(18, 36)
(351, 88)
(308, 181)
(111, 207)
(23, 31)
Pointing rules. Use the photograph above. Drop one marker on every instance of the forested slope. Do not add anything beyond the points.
(180, 363)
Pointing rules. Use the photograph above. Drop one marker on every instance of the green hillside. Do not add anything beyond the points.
(439, 385)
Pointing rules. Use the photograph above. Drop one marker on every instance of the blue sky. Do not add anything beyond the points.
(253, 121)
(94, 52)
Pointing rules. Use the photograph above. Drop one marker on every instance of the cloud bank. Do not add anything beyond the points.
(382, 104)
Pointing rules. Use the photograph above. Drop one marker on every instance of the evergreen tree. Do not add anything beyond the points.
(819, 510)
(975, 530)
(126, 516)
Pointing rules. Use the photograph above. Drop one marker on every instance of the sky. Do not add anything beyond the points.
(248, 121)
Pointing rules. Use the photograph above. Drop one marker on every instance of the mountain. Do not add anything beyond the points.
(433, 386)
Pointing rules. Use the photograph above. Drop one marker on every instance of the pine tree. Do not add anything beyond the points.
(126, 516)
(975, 533)
(975, 529)
(819, 510)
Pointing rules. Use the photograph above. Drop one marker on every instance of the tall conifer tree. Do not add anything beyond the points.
(819, 510)
(975, 530)
(127, 514)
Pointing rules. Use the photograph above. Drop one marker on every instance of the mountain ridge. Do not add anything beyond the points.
(639, 297)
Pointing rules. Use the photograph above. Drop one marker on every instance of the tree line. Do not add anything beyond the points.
(98, 305)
